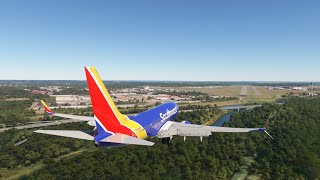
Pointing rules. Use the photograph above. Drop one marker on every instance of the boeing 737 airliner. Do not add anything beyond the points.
(116, 129)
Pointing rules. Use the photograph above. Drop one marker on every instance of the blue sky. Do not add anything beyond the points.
(274, 40)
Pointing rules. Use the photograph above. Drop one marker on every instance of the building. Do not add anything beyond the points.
(297, 88)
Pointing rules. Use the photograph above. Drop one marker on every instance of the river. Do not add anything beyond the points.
(222, 120)
(227, 117)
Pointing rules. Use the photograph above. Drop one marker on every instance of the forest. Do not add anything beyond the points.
(293, 154)
(14, 112)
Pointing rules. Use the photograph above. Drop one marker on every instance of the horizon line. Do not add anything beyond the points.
(263, 81)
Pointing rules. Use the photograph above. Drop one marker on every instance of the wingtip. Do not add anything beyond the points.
(268, 134)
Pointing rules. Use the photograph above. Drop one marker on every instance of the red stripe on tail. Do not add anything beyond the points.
(101, 108)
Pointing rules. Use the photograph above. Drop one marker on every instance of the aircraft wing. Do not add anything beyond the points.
(68, 116)
(67, 133)
(180, 129)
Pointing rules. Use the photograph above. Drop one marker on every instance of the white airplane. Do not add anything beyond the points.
(116, 129)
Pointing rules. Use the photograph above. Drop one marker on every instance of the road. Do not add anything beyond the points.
(256, 91)
(235, 107)
(244, 91)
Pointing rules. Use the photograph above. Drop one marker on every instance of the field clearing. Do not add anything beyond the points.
(219, 91)
(219, 103)
(257, 94)
(258, 100)
(270, 93)
(251, 92)
(16, 173)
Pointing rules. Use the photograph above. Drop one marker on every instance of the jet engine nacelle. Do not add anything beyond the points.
(186, 122)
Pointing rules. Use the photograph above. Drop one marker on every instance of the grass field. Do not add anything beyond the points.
(258, 94)
(220, 103)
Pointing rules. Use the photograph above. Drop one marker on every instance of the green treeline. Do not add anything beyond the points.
(296, 128)
(199, 116)
(72, 90)
(13, 112)
(19, 92)
(38, 148)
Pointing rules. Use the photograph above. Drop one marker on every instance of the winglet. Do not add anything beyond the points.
(266, 126)
(268, 134)
(48, 110)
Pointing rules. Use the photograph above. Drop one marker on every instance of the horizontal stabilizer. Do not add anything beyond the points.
(125, 139)
(65, 133)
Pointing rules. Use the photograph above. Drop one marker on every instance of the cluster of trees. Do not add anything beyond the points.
(296, 128)
(38, 148)
(72, 90)
(293, 154)
(19, 92)
(208, 98)
(179, 160)
(18, 111)
(196, 107)
(211, 159)
(13, 112)
(199, 116)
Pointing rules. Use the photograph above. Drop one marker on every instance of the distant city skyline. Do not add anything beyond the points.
(161, 40)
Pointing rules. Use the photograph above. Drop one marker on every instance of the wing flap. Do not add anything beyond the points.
(67, 133)
(125, 139)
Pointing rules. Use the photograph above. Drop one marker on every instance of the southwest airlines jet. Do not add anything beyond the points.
(116, 129)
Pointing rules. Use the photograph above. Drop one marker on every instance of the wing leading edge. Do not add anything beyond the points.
(115, 138)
